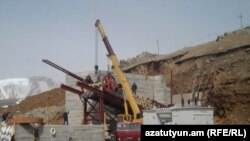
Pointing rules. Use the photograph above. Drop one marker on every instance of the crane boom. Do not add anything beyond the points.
(136, 111)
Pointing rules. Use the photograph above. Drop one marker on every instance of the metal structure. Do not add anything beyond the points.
(82, 95)
(99, 99)
(92, 96)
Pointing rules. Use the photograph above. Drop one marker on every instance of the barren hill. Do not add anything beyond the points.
(48, 105)
(219, 69)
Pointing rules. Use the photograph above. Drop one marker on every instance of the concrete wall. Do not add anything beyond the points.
(153, 87)
(62, 133)
(178, 115)
(192, 115)
(24, 132)
(186, 97)
(72, 102)
(150, 118)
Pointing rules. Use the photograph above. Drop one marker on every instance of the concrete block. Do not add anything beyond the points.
(25, 132)
(64, 133)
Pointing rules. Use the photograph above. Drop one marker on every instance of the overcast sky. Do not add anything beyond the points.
(64, 32)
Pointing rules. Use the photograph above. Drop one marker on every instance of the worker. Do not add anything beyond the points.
(89, 79)
(65, 117)
(5, 116)
(98, 79)
(134, 88)
(119, 89)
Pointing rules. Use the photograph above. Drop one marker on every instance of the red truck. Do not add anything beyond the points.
(128, 131)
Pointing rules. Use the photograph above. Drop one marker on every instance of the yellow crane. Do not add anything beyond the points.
(137, 115)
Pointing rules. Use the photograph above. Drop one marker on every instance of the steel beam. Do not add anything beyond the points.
(68, 88)
(62, 69)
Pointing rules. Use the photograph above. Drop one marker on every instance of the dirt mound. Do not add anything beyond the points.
(219, 69)
(42, 104)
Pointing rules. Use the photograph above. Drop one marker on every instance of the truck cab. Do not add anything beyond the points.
(128, 131)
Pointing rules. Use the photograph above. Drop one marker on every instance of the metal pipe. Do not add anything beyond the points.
(62, 69)
(68, 88)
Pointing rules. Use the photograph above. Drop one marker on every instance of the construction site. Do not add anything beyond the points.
(204, 84)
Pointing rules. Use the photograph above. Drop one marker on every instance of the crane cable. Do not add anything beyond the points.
(96, 51)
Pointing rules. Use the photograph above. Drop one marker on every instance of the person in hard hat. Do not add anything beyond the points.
(65, 118)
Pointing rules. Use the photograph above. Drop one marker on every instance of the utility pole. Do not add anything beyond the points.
(153, 92)
(158, 47)
(171, 90)
(240, 16)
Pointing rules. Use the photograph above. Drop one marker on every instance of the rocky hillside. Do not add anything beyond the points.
(138, 58)
(219, 69)
(47, 105)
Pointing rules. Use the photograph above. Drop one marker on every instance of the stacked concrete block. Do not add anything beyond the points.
(60, 133)
(73, 103)
(74, 133)
(153, 87)
(24, 132)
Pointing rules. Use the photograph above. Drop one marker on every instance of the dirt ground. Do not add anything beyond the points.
(55, 97)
